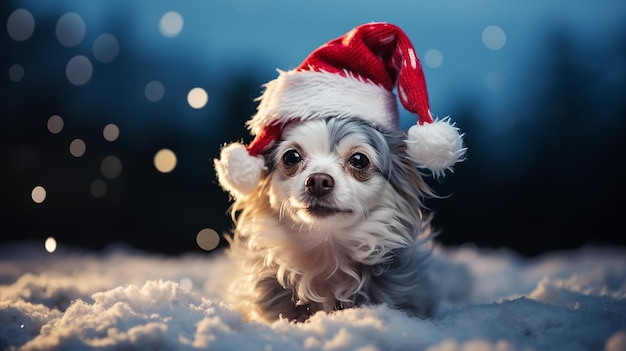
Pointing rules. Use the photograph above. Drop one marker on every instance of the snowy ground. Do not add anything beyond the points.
(124, 299)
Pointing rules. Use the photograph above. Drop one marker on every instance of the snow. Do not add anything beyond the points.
(121, 298)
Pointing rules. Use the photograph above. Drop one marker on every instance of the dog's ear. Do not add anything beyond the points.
(237, 171)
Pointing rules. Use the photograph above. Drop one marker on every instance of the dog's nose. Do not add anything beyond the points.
(319, 184)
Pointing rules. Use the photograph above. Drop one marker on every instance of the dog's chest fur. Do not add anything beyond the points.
(313, 263)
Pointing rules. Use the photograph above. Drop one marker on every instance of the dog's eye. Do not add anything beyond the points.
(359, 161)
(291, 157)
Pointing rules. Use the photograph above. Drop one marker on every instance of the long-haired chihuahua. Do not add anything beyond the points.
(328, 198)
(336, 222)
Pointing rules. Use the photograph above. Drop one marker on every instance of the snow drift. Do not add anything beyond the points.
(121, 298)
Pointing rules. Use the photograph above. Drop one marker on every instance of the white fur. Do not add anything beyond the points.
(307, 95)
(237, 171)
(293, 263)
(436, 146)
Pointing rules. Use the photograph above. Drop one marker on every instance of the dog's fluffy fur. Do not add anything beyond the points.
(358, 236)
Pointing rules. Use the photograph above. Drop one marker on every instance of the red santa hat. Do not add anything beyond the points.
(352, 76)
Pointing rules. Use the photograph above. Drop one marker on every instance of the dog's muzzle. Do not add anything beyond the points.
(319, 184)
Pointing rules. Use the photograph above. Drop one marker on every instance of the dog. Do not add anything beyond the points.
(337, 221)
(328, 198)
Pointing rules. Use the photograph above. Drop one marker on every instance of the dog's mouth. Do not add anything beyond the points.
(323, 211)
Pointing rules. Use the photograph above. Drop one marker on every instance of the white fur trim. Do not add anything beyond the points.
(237, 171)
(436, 146)
(309, 95)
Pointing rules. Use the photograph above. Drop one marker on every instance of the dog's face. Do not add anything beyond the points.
(328, 172)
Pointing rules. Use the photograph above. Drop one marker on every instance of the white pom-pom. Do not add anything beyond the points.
(436, 146)
(237, 171)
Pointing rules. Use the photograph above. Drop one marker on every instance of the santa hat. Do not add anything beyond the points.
(352, 76)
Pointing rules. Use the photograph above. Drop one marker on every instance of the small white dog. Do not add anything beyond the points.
(328, 196)
(335, 223)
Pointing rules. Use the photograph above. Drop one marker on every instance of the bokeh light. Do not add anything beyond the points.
(111, 132)
(433, 58)
(197, 98)
(98, 188)
(154, 91)
(77, 147)
(70, 29)
(105, 48)
(16, 72)
(171, 24)
(79, 70)
(20, 25)
(55, 124)
(38, 194)
(111, 167)
(494, 37)
(165, 160)
(207, 239)
(50, 244)
(186, 283)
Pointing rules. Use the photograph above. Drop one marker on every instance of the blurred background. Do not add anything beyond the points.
(112, 112)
